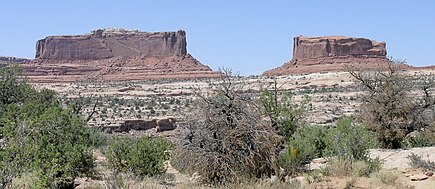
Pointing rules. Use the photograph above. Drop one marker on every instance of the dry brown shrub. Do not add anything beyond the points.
(228, 140)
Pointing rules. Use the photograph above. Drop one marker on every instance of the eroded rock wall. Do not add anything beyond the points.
(107, 43)
(333, 46)
(114, 55)
(332, 53)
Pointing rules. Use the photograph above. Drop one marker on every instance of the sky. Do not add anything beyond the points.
(247, 36)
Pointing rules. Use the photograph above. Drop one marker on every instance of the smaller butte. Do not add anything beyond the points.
(332, 53)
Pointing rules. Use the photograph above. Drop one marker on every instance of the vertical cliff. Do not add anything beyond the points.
(108, 43)
(334, 46)
(114, 54)
(331, 53)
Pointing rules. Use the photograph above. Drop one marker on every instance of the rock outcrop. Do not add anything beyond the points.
(109, 43)
(113, 55)
(9, 59)
(332, 53)
(160, 125)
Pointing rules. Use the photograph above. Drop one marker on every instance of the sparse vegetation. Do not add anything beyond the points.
(417, 162)
(284, 115)
(339, 166)
(388, 179)
(228, 122)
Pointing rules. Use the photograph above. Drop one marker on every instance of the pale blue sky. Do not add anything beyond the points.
(246, 36)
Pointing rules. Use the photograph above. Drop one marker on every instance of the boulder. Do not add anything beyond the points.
(139, 125)
(166, 124)
(319, 160)
(142, 125)
(418, 177)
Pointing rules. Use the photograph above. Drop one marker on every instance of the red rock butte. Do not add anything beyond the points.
(332, 53)
(114, 55)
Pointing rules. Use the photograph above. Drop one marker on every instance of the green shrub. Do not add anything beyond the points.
(284, 114)
(422, 139)
(39, 136)
(291, 159)
(142, 157)
(347, 145)
(311, 139)
(306, 143)
(349, 140)
(52, 141)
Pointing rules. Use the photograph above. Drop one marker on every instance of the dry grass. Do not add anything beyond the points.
(387, 179)
(25, 181)
(127, 182)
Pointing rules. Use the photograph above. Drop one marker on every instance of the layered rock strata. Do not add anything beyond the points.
(160, 125)
(114, 55)
(332, 53)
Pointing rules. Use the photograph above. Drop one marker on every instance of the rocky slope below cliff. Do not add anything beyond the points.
(332, 53)
(9, 59)
(114, 55)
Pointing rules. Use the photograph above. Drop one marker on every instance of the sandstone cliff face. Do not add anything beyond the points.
(333, 46)
(331, 53)
(109, 43)
(113, 55)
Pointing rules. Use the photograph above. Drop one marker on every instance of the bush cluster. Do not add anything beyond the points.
(347, 144)
(349, 140)
(142, 156)
(279, 107)
(39, 136)
(307, 143)
(391, 107)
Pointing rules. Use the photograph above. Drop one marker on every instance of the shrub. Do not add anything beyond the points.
(53, 142)
(227, 139)
(12, 90)
(387, 177)
(284, 115)
(38, 136)
(311, 139)
(349, 140)
(389, 108)
(142, 157)
(292, 159)
(422, 138)
(308, 142)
